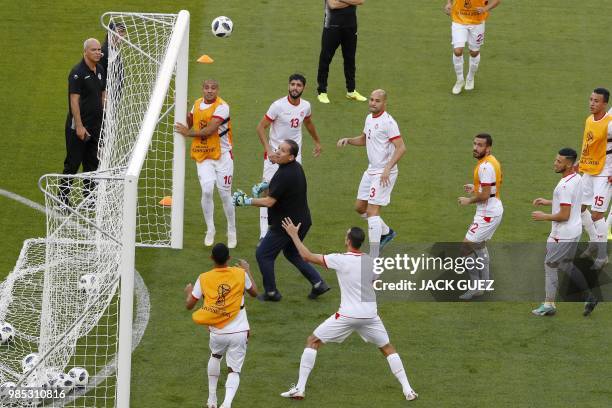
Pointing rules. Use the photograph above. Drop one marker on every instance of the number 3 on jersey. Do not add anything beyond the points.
(295, 123)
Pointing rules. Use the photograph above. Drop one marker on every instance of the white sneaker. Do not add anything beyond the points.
(293, 393)
(469, 84)
(471, 294)
(209, 239)
(411, 396)
(225, 406)
(458, 87)
(211, 403)
(232, 241)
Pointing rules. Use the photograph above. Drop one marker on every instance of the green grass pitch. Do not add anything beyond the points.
(539, 64)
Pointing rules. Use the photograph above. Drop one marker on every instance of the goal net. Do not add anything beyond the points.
(69, 299)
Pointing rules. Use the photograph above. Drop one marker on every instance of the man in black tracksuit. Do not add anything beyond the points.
(339, 29)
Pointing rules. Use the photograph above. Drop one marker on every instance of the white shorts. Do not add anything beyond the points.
(596, 192)
(337, 328)
(371, 191)
(219, 171)
(482, 228)
(233, 346)
(472, 34)
(269, 168)
(559, 251)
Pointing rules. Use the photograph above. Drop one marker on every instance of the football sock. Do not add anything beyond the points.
(483, 254)
(231, 386)
(214, 370)
(208, 205)
(551, 280)
(385, 228)
(263, 222)
(458, 64)
(588, 225)
(228, 208)
(474, 61)
(374, 233)
(397, 368)
(601, 229)
(306, 364)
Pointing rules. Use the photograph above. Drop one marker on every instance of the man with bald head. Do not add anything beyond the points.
(385, 147)
(86, 96)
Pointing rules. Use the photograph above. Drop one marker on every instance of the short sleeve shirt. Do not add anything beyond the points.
(380, 131)
(89, 85)
(288, 187)
(287, 120)
(568, 193)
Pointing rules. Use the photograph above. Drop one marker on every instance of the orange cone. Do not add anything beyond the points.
(166, 201)
(205, 59)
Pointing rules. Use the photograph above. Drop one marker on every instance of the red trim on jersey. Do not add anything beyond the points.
(231, 152)
(210, 102)
(565, 204)
(325, 263)
(195, 298)
(573, 175)
(337, 315)
(487, 219)
(395, 137)
(290, 101)
(307, 117)
(356, 251)
(265, 155)
(376, 116)
(269, 119)
(487, 184)
(219, 117)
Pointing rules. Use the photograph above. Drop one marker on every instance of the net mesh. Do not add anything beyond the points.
(62, 298)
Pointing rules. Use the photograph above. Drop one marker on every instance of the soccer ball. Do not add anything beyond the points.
(29, 362)
(63, 382)
(222, 27)
(7, 332)
(79, 376)
(88, 284)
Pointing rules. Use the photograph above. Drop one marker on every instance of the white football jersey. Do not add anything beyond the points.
(222, 112)
(492, 207)
(355, 276)
(240, 323)
(287, 121)
(568, 192)
(380, 131)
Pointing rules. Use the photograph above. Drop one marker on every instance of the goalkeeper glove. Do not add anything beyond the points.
(259, 188)
(240, 199)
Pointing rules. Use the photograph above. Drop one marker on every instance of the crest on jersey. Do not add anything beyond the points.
(302, 113)
(222, 290)
(467, 3)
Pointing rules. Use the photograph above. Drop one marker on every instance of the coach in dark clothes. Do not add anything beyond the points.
(287, 197)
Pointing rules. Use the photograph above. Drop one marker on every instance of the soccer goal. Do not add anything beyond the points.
(69, 301)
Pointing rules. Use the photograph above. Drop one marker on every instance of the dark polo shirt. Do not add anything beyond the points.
(89, 85)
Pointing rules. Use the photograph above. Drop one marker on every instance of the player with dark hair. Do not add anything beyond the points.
(565, 233)
(287, 197)
(357, 312)
(485, 193)
(596, 167)
(223, 312)
(285, 118)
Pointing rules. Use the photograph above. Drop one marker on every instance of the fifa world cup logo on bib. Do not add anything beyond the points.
(587, 145)
(467, 3)
(222, 290)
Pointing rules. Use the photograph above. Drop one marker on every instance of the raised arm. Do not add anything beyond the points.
(292, 231)
(252, 291)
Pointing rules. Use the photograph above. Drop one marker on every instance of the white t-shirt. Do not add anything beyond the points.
(380, 131)
(240, 323)
(568, 192)
(355, 286)
(222, 112)
(287, 120)
(492, 207)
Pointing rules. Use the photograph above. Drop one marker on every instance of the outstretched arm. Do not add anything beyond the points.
(292, 231)
(355, 141)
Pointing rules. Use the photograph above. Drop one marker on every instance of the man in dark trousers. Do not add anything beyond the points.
(339, 29)
(86, 97)
(287, 197)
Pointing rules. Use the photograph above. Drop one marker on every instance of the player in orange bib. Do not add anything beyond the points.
(485, 193)
(597, 172)
(222, 290)
(210, 126)
(468, 25)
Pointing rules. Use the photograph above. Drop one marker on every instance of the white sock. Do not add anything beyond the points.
(263, 222)
(474, 61)
(483, 254)
(214, 370)
(306, 364)
(397, 368)
(231, 386)
(458, 64)
(601, 229)
(385, 228)
(551, 282)
(228, 208)
(589, 227)
(374, 233)
(208, 205)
